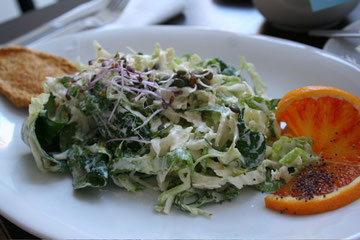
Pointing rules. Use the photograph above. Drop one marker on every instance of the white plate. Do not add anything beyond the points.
(346, 47)
(45, 204)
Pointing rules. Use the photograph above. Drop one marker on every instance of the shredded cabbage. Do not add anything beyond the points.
(193, 129)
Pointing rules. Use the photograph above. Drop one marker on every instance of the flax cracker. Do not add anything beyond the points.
(22, 72)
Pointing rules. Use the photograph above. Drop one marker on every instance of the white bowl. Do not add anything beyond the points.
(297, 15)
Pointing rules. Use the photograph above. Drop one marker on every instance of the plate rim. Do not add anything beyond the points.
(272, 39)
(267, 38)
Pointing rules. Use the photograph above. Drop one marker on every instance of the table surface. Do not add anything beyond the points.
(231, 15)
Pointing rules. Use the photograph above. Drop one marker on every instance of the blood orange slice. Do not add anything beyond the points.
(331, 117)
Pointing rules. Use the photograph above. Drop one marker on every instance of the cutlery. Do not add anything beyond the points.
(335, 33)
(81, 11)
(105, 16)
(70, 23)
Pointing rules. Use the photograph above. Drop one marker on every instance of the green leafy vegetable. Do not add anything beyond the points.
(179, 159)
(252, 145)
(285, 144)
(294, 153)
(66, 136)
(260, 103)
(66, 81)
(269, 108)
(49, 124)
(221, 67)
(193, 129)
(89, 166)
(163, 132)
(269, 185)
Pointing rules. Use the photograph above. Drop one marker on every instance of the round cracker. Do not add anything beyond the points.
(22, 72)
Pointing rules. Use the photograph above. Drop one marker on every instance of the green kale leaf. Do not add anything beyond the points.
(252, 145)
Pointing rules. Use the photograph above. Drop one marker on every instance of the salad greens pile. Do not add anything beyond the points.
(194, 130)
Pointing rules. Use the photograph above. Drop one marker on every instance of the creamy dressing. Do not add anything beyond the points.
(196, 125)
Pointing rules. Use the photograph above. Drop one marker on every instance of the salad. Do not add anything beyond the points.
(195, 130)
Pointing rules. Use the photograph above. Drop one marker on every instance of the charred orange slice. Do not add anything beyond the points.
(331, 117)
(319, 188)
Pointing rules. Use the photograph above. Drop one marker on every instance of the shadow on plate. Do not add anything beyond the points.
(236, 3)
(26, 168)
(88, 194)
(113, 192)
(176, 20)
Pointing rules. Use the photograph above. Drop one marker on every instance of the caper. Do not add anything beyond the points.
(181, 72)
(209, 76)
(192, 80)
(234, 108)
(179, 82)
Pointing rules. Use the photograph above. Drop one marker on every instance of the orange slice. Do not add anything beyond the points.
(331, 117)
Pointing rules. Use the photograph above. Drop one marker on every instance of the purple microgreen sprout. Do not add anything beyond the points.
(139, 96)
(149, 118)
(128, 79)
